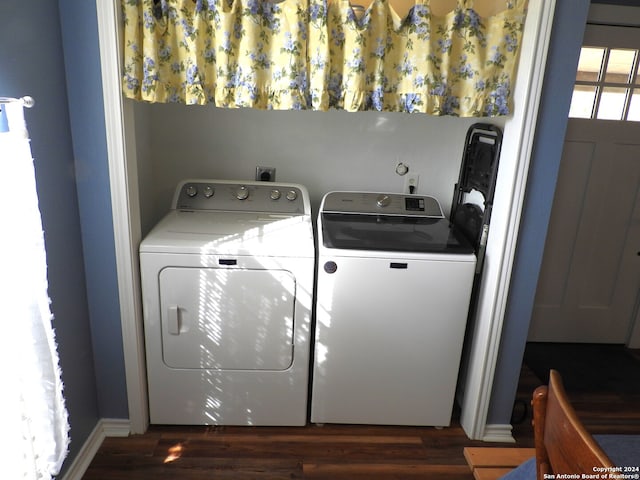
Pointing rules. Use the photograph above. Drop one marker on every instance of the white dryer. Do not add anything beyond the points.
(227, 283)
(393, 287)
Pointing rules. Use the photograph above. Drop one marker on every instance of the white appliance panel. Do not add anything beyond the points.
(227, 283)
(209, 396)
(227, 319)
(389, 338)
(393, 290)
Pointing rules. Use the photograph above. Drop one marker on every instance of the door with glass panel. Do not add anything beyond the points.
(590, 276)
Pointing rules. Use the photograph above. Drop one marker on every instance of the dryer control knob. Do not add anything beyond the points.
(208, 191)
(191, 190)
(275, 194)
(292, 195)
(242, 193)
(383, 200)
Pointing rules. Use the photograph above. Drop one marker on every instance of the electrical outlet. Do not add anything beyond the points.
(411, 181)
(266, 174)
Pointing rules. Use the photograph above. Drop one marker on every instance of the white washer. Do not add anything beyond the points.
(227, 282)
(393, 287)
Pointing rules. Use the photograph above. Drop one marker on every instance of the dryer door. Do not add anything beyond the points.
(227, 319)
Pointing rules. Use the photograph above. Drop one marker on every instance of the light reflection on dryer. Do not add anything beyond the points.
(216, 307)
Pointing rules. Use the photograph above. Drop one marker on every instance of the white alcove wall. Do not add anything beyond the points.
(324, 151)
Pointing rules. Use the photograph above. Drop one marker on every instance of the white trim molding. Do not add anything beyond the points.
(126, 216)
(116, 427)
(106, 427)
(498, 433)
(505, 222)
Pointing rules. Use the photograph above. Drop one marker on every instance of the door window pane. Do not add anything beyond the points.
(634, 108)
(620, 66)
(612, 103)
(582, 101)
(605, 79)
(589, 64)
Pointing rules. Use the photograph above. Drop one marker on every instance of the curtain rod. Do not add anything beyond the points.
(25, 101)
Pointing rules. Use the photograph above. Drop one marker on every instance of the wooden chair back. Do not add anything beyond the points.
(562, 443)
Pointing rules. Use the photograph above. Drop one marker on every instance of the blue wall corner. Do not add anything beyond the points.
(84, 85)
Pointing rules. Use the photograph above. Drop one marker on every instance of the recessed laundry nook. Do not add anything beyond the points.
(180, 147)
(162, 144)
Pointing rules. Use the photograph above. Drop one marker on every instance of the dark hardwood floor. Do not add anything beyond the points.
(330, 451)
(333, 451)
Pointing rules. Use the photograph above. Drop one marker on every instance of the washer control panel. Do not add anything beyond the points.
(369, 203)
(250, 196)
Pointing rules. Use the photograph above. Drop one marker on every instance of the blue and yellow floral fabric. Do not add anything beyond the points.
(318, 54)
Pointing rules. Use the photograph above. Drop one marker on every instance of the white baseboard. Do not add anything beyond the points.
(116, 427)
(106, 427)
(498, 433)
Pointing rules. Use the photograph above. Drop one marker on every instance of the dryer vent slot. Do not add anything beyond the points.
(227, 261)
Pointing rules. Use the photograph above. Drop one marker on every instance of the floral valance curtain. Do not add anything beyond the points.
(319, 54)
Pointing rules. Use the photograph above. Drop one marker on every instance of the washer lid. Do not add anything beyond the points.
(388, 222)
(391, 233)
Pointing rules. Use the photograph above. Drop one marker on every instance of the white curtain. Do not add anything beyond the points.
(34, 428)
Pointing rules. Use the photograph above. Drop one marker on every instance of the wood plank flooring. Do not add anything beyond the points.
(313, 452)
(332, 451)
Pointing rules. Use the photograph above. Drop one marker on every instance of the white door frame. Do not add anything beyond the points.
(519, 136)
(123, 179)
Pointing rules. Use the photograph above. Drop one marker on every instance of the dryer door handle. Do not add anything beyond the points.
(173, 319)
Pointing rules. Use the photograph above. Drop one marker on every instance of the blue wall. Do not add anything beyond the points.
(84, 84)
(31, 63)
(562, 60)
